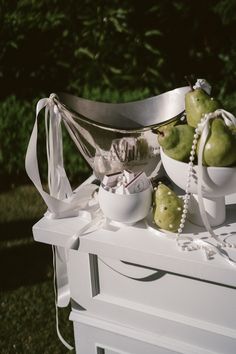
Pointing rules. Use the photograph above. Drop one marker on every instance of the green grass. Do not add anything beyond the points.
(27, 310)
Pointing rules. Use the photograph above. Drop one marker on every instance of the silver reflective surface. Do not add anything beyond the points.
(112, 137)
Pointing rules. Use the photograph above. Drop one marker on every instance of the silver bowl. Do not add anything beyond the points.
(116, 136)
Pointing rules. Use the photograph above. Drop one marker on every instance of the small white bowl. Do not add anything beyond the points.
(125, 208)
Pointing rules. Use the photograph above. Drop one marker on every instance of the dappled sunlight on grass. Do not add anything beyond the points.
(21, 203)
(27, 318)
(27, 310)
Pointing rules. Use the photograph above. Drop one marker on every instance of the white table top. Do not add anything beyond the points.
(143, 244)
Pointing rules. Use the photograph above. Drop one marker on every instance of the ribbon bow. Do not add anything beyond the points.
(61, 200)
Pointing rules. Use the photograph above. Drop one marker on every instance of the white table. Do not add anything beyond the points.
(133, 291)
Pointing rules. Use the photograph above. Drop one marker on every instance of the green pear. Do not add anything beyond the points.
(168, 208)
(176, 141)
(197, 104)
(220, 146)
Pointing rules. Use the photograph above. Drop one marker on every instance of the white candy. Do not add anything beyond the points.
(126, 182)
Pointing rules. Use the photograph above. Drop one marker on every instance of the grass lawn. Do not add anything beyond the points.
(27, 314)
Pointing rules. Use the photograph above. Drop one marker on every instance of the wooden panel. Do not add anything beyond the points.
(96, 336)
(182, 308)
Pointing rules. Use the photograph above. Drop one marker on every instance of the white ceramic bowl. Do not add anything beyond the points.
(217, 181)
(125, 208)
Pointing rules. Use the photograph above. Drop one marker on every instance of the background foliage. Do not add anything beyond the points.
(106, 50)
(119, 50)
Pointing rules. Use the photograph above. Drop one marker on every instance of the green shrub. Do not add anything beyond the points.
(15, 125)
(120, 45)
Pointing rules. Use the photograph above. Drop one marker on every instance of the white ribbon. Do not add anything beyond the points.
(55, 284)
(62, 201)
(204, 85)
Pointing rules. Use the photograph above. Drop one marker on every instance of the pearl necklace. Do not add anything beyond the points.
(190, 171)
(188, 243)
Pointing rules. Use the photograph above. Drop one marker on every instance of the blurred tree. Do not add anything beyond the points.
(120, 45)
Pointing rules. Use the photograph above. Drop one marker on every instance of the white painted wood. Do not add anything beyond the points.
(187, 308)
(135, 243)
(188, 297)
(83, 340)
(128, 270)
(60, 232)
(194, 312)
(117, 339)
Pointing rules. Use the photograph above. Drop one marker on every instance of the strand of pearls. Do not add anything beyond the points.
(188, 182)
(187, 243)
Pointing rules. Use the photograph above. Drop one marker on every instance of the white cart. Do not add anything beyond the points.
(134, 292)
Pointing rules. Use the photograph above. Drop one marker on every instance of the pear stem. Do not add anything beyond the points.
(159, 132)
(189, 82)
